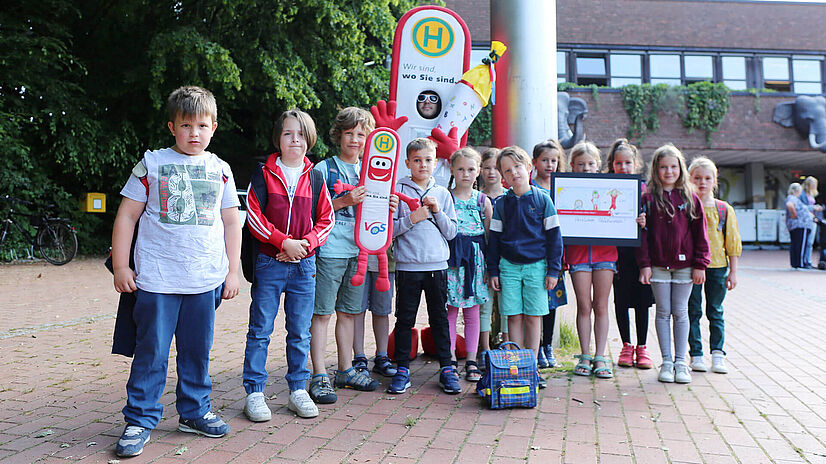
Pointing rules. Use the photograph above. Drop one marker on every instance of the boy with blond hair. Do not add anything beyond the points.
(187, 257)
(524, 251)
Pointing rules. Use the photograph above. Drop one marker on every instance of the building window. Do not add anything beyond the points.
(734, 72)
(665, 69)
(561, 67)
(776, 73)
(625, 69)
(807, 77)
(698, 68)
(591, 69)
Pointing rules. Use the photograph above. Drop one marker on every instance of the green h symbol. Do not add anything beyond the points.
(385, 143)
(428, 37)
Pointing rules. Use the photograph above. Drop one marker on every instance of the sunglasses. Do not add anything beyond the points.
(431, 98)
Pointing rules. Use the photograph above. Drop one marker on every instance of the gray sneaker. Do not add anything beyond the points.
(682, 374)
(301, 404)
(666, 372)
(256, 408)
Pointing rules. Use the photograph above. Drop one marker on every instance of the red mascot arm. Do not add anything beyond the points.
(342, 187)
(385, 115)
(446, 145)
(412, 203)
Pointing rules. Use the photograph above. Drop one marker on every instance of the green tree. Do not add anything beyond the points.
(83, 85)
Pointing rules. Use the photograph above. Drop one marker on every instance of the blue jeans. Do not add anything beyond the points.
(159, 316)
(807, 247)
(272, 278)
(715, 290)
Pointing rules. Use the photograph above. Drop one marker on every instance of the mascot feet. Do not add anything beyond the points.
(382, 285)
(357, 280)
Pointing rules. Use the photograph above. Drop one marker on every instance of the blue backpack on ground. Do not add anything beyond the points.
(510, 380)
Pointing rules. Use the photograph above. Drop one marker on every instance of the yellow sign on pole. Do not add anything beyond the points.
(93, 202)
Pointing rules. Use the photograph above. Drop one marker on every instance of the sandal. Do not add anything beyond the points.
(604, 372)
(360, 363)
(472, 372)
(382, 365)
(582, 368)
(351, 378)
(321, 392)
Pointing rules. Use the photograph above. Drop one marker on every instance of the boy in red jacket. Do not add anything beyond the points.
(289, 236)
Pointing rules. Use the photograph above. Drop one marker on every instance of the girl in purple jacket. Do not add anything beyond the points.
(673, 255)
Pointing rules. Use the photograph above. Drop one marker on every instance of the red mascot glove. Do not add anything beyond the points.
(446, 145)
(385, 115)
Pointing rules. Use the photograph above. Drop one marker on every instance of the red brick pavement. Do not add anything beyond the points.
(61, 391)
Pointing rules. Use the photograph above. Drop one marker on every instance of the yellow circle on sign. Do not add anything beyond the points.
(385, 143)
(432, 37)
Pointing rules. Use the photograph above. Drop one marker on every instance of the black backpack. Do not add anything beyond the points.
(249, 244)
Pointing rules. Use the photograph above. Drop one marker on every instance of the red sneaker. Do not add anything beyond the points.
(643, 360)
(626, 357)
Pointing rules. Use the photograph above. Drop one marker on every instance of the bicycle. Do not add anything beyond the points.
(54, 237)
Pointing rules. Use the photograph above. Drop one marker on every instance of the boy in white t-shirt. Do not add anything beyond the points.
(187, 257)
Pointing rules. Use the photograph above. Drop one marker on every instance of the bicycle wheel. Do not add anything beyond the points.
(57, 243)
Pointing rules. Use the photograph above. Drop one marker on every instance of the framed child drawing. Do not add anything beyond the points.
(597, 209)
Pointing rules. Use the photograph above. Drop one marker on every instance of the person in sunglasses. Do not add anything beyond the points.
(428, 104)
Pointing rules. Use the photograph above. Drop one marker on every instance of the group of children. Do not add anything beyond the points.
(466, 248)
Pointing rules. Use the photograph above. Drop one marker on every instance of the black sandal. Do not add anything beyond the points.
(472, 372)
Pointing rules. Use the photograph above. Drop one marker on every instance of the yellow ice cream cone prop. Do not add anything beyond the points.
(471, 94)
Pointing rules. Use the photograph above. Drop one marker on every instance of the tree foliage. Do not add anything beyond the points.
(83, 84)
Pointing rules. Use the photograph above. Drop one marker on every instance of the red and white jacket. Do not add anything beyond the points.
(282, 218)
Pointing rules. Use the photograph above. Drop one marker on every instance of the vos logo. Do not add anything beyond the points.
(375, 228)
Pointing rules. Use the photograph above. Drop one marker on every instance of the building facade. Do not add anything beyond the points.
(766, 53)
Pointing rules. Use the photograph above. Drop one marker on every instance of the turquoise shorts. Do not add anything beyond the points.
(333, 291)
(523, 288)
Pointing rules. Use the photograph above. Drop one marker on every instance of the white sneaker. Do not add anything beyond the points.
(718, 362)
(697, 364)
(256, 408)
(666, 372)
(681, 372)
(301, 403)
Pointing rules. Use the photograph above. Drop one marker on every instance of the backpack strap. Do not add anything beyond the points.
(722, 212)
(141, 173)
(333, 175)
(249, 244)
(316, 181)
(534, 192)
(480, 203)
(259, 186)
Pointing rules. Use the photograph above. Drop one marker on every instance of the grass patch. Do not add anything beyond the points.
(568, 340)
(568, 346)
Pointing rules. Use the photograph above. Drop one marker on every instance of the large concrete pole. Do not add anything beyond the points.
(525, 110)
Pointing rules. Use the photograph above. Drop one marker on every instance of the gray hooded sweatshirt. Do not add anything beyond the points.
(423, 246)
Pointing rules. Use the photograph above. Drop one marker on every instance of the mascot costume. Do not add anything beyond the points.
(374, 221)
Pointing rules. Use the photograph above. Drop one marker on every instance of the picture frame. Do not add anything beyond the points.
(597, 209)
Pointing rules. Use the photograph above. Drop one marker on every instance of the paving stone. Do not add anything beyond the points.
(764, 410)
